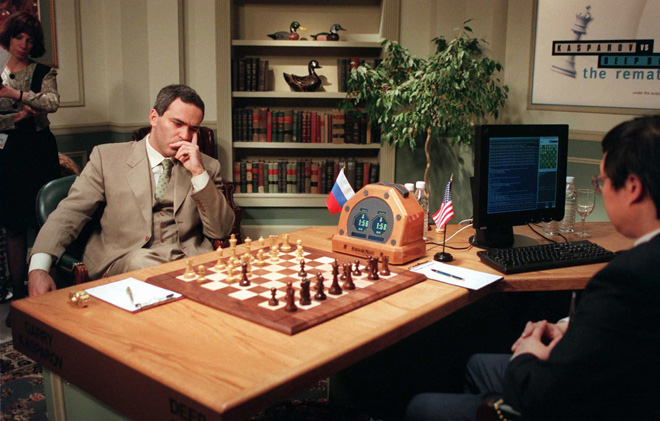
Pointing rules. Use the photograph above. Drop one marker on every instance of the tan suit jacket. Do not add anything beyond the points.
(119, 177)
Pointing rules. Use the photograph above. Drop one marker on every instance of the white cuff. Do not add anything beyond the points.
(200, 181)
(41, 261)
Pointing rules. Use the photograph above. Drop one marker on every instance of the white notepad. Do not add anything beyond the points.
(132, 294)
(456, 275)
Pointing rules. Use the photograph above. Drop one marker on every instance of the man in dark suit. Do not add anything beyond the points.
(602, 363)
(161, 196)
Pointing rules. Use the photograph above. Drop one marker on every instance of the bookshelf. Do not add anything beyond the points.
(245, 23)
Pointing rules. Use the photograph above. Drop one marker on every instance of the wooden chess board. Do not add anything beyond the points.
(251, 302)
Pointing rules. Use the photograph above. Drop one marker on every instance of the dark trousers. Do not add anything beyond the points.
(484, 375)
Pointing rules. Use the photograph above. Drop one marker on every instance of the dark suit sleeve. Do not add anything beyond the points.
(214, 211)
(603, 358)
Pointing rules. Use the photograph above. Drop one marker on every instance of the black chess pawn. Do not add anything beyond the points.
(305, 297)
(290, 299)
(319, 280)
(245, 282)
(302, 272)
(357, 271)
(343, 273)
(349, 285)
(320, 294)
(273, 299)
(385, 267)
(335, 289)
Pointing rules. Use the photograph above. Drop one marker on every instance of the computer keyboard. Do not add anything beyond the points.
(545, 256)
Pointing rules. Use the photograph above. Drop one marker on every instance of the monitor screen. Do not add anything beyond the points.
(519, 178)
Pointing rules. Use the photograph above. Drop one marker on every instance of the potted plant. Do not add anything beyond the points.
(441, 96)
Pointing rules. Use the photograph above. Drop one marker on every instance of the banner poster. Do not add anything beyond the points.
(596, 56)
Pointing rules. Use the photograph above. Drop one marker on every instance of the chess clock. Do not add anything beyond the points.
(381, 218)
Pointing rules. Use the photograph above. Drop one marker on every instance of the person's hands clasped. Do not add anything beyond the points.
(40, 282)
(189, 155)
(531, 340)
(24, 113)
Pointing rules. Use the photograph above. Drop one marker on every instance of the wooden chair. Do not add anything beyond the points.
(206, 143)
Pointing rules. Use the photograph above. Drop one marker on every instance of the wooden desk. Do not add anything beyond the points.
(187, 361)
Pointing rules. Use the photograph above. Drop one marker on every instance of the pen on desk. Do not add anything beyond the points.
(447, 274)
(130, 294)
(571, 310)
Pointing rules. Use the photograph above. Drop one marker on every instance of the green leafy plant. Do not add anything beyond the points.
(440, 97)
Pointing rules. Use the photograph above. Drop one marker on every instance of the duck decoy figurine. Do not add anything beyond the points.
(329, 36)
(308, 83)
(291, 35)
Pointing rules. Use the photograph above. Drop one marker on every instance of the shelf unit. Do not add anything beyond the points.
(246, 23)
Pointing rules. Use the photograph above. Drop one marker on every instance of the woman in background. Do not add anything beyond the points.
(28, 157)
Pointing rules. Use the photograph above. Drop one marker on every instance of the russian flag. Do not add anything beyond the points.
(340, 194)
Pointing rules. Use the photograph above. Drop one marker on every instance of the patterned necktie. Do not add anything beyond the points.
(164, 179)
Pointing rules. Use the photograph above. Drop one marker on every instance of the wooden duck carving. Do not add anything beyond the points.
(291, 35)
(308, 83)
(333, 35)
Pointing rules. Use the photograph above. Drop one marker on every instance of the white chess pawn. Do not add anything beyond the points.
(299, 251)
(219, 265)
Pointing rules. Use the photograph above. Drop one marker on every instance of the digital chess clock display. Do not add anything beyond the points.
(372, 219)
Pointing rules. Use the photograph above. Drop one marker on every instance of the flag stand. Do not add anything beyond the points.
(443, 257)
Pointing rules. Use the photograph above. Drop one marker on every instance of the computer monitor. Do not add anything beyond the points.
(519, 178)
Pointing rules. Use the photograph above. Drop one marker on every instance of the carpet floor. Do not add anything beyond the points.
(23, 396)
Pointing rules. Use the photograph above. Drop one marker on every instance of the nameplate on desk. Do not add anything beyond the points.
(455, 275)
(133, 295)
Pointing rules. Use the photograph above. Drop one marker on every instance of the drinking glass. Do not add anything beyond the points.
(585, 205)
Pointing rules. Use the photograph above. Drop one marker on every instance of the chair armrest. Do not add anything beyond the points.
(496, 410)
(73, 268)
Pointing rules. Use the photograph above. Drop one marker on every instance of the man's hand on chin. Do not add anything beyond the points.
(40, 282)
(189, 155)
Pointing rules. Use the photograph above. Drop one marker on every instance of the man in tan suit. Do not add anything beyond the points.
(160, 195)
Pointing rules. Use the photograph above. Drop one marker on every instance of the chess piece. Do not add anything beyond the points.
(247, 258)
(201, 271)
(302, 272)
(565, 65)
(335, 267)
(290, 298)
(286, 247)
(349, 285)
(261, 257)
(344, 268)
(230, 271)
(245, 282)
(385, 267)
(320, 294)
(335, 289)
(357, 271)
(372, 267)
(248, 244)
(219, 265)
(300, 254)
(189, 272)
(319, 280)
(305, 298)
(273, 299)
(261, 242)
(273, 254)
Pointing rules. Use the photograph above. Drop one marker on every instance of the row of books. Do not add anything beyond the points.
(344, 67)
(301, 176)
(264, 125)
(249, 74)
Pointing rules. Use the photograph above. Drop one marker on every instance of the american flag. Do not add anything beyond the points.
(446, 211)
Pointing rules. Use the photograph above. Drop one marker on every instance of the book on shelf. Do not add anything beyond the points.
(259, 124)
(249, 74)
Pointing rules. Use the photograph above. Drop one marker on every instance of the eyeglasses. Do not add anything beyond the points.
(598, 182)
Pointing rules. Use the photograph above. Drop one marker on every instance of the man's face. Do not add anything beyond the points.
(612, 200)
(179, 122)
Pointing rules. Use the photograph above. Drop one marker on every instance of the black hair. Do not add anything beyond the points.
(23, 22)
(170, 93)
(633, 147)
